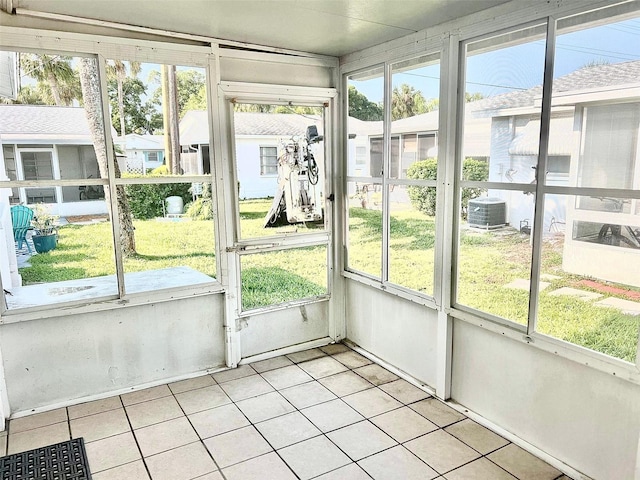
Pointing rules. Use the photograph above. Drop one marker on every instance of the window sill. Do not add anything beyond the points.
(100, 293)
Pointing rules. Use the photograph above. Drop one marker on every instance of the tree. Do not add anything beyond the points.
(117, 69)
(58, 83)
(28, 95)
(191, 90)
(472, 97)
(361, 107)
(138, 117)
(406, 102)
(91, 95)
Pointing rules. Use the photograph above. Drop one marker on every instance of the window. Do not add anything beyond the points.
(550, 244)
(268, 160)
(591, 264)
(364, 182)
(392, 207)
(494, 249)
(157, 247)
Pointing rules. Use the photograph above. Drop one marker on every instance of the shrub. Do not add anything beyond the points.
(424, 198)
(146, 200)
(473, 170)
(202, 207)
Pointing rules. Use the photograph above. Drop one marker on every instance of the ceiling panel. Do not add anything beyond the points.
(330, 27)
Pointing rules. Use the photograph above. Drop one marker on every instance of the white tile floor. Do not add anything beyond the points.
(326, 414)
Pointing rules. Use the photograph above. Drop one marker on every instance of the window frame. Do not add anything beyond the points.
(386, 181)
(79, 45)
(264, 164)
(448, 142)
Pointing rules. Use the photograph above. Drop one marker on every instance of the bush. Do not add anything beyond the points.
(473, 170)
(202, 207)
(145, 200)
(424, 198)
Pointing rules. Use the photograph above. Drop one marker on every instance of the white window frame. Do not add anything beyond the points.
(20, 39)
(263, 163)
(448, 142)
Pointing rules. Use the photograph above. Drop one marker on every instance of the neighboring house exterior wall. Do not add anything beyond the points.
(252, 182)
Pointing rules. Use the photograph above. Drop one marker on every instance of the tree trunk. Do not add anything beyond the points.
(120, 81)
(174, 119)
(53, 84)
(92, 105)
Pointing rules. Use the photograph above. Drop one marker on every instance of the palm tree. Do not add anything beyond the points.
(92, 105)
(118, 69)
(55, 71)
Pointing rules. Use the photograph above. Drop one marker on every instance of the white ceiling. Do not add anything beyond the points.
(328, 27)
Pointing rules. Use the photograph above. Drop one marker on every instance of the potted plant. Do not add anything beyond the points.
(45, 232)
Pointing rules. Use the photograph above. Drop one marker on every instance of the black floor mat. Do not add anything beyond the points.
(62, 461)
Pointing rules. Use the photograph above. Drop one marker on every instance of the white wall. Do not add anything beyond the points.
(252, 184)
(585, 418)
(283, 328)
(60, 359)
(396, 330)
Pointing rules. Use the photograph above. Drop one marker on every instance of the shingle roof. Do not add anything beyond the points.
(588, 77)
(194, 126)
(43, 120)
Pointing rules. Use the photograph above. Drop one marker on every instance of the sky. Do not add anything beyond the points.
(521, 66)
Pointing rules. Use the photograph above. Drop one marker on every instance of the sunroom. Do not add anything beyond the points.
(406, 297)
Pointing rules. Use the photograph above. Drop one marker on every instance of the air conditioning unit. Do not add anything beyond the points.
(487, 212)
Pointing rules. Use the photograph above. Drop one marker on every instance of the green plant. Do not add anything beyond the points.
(473, 170)
(146, 200)
(43, 222)
(202, 207)
(424, 198)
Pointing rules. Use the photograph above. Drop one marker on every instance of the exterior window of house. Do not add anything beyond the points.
(158, 248)
(427, 146)
(391, 236)
(81, 264)
(173, 227)
(376, 156)
(364, 183)
(11, 172)
(591, 256)
(268, 160)
(494, 249)
(361, 155)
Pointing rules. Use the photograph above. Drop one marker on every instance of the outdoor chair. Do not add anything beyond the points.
(21, 219)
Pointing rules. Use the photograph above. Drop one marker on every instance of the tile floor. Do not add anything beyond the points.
(326, 414)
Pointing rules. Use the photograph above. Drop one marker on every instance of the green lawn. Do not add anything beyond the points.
(487, 262)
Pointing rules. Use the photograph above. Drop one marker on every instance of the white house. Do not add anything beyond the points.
(46, 143)
(257, 138)
(588, 122)
(142, 152)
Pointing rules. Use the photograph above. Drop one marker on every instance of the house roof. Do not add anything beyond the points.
(134, 141)
(586, 78)
(52, 124)
(44, 124)
(194, 126)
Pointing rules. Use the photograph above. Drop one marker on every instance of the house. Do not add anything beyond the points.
(142, 152)
(475, 370)
(257, 139)
(48, 143)
(586, 100)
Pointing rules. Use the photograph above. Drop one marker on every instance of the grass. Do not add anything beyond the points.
(487, 262)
